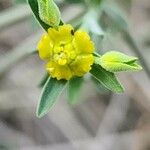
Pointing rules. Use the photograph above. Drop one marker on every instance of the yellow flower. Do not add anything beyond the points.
(67, 53)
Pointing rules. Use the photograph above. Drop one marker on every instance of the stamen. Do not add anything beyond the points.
(50, 69)
(62, 61)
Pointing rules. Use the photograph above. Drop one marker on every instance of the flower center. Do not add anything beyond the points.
(64, 54)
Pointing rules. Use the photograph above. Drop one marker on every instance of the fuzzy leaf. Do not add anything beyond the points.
(75, 1)
(43, 80)
(115, 62)
(19, 1)
(49, 12)
(34, 7)
(106, 78)
(50, 93)
(100, 89)
(74, 89)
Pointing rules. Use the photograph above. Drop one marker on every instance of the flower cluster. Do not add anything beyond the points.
(67, 53)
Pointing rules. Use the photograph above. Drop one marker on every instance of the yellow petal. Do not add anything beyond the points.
(82, 42)
(61, 36)
(82, 64)
(45, 47)
(53, 34)
(58, 71)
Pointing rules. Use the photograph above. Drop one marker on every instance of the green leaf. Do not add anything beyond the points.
(43, 80)
(75, 1)
(96, 54)
(106, 78)
(19, 1)
(118, 56)
(74, 89)
(114, 61)
(100, 89)
(50, 93)
(49, 12)
(34, 7)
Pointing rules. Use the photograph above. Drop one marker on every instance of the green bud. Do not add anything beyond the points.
(115, 62)
(49, 12)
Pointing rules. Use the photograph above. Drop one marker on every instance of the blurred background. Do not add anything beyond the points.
(102, 120)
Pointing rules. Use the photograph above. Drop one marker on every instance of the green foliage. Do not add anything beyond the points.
(50, 93)
(75, 1)
(43, 80)
(74, 89)
(48, 15)
(99, 87)
(106, 78)
(49, 12)
(114, 61)
(19, 1)
(34, 7)
(88, 2)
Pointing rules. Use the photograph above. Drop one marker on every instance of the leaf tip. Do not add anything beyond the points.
(40, 114)
(121, 90)
(139, 68)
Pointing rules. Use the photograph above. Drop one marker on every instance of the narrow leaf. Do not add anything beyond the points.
(50, 93)
(43, 80)
(49, 12)
(99, 87)
(19, 1)
(74, 89)
(106, 78)
(34, 7)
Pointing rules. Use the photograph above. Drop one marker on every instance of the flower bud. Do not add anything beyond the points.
(49, 12)
(115, 62)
